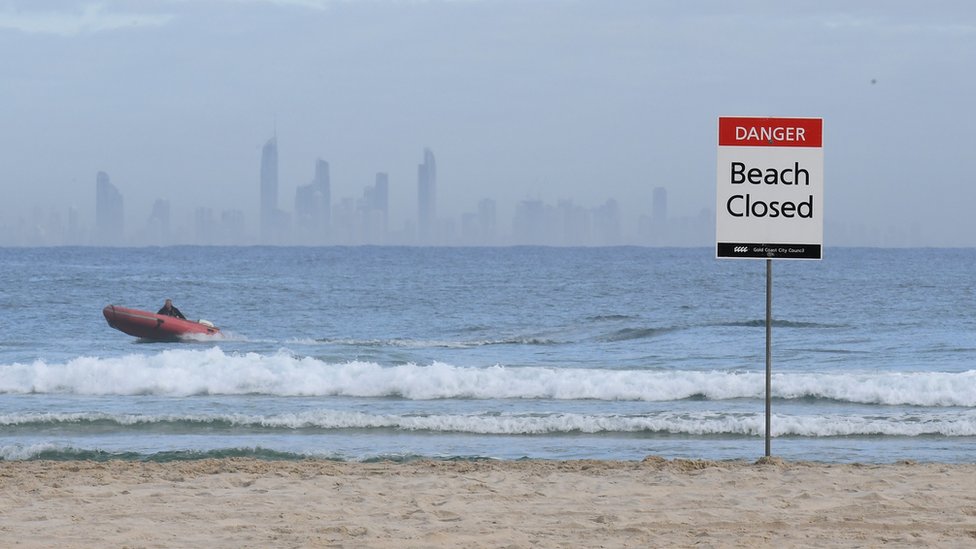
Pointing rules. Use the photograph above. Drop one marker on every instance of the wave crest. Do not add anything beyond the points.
(700, 423)
(208, 372)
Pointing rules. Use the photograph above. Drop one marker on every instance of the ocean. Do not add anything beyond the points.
(390, 353)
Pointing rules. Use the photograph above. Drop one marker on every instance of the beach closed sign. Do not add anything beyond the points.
(770, 188)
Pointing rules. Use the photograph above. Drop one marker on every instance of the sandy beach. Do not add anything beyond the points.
(653, 503)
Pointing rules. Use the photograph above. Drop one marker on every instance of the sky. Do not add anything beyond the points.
(549, 100)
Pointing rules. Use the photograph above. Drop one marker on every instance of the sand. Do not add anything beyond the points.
(572, 504)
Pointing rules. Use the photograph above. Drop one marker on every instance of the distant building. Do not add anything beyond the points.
(109, 212)
(479, 228)
(269, 191)
(654, 230)
(344, 222)
(532, 222)
(157, 228)
(606, 224)
(574, 224)
(427, 199)
(372, 212)
(313, 207)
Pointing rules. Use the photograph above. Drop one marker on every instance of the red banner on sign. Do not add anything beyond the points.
(770, 132)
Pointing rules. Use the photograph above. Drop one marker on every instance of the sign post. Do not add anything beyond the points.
(769, 200)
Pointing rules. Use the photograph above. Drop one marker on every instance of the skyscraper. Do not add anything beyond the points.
(373, 211)
(655, 229)
(109, 218)
(426, 198)
(269, 191)
(313, 207)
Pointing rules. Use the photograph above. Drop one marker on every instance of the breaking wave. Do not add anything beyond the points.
(182, 372)
(699, 423)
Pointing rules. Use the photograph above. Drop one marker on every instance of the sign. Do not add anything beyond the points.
(770, 188)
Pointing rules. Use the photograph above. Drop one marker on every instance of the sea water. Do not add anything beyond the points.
(484, 353)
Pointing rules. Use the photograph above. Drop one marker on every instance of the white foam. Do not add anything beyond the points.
(951, 424)
(15, 452)
(182, 372)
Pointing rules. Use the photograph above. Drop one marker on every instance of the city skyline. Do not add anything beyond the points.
(319, 220)
(542, 107)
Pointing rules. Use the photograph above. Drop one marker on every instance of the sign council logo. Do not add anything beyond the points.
(769, 188)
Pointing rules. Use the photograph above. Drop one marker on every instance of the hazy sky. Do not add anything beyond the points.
(528, 99)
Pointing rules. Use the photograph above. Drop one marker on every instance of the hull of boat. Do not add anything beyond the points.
(148, 325)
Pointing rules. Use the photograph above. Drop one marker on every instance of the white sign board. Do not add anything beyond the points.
(770, 188)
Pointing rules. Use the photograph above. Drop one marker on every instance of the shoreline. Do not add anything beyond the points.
(244, 502)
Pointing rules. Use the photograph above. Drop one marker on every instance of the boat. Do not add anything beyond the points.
(156, 327)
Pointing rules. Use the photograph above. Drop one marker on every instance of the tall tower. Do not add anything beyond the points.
(269, 190)
(109, 218)
(426, 198)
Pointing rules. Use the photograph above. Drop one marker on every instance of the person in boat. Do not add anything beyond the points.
(170, 310)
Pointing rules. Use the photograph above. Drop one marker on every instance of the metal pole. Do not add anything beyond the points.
(769, 354)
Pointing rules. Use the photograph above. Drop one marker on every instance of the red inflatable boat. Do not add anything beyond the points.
(149, 325)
